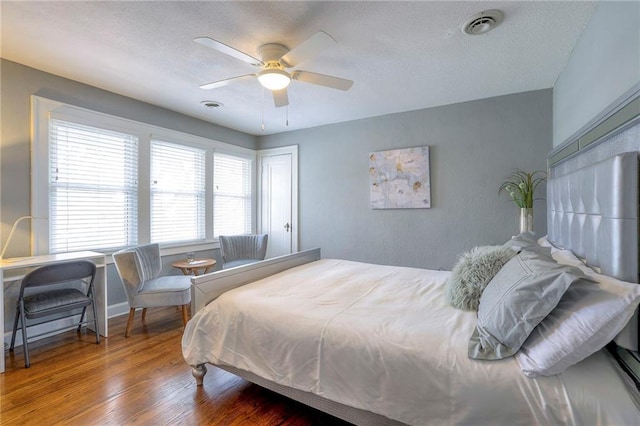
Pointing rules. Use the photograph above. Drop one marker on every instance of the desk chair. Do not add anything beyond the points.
(57, 300)
(139, 269)
(239, 250)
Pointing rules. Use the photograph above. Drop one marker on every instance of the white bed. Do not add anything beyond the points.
(377, 344)
(383, 339)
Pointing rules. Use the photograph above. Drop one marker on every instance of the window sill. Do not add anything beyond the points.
(170, 249)
(178, 248)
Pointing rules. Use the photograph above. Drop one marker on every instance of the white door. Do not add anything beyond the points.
(278, 199)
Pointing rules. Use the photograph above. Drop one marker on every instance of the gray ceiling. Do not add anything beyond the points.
(401, 56)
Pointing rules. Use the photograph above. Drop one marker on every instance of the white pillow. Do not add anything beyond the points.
(544, 242)
(566, 257)
(588, 317)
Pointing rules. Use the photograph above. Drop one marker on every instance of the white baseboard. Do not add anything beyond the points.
(117, 310)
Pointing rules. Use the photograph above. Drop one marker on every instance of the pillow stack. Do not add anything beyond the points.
(588, 317)
(516, 300)
(545, 307)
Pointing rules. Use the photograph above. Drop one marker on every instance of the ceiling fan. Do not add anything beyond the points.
(275, 59)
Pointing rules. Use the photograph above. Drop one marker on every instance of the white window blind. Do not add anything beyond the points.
(231, 194)
(93, 188)
(177, 193)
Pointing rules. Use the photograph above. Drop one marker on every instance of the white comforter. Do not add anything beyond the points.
(384, 339)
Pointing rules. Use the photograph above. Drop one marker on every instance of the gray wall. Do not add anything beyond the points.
(473, 146)
(18, 83)
(604, 65)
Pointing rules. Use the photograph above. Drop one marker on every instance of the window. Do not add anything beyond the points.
(232, 199)
(106, 182)
(177, 193)
(93, 190)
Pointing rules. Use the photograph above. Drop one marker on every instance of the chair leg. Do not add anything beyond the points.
(15, 330)
(144, 313)
(185, 314)
(95, 320)
(132, 313)
(84, 311)
(25, 345)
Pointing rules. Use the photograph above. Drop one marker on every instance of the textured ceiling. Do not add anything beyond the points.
(401, 56)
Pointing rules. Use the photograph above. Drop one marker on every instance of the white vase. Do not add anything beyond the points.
(526, 220)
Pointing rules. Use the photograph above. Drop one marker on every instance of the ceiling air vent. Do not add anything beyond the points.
(211, 104)
(482, 22)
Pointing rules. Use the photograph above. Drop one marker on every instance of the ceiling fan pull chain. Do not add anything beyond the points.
(287, 122)
(262, 107)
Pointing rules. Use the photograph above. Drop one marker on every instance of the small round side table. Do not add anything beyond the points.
(194, 266)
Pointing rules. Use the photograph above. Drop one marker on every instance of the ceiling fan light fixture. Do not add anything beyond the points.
(274, 79)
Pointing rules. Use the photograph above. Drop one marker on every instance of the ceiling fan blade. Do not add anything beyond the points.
(322, 80)
(280, 98)
(307, 49)
(221, 47)
(222, 83)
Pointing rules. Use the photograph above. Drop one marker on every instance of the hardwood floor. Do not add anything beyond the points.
(142, 379)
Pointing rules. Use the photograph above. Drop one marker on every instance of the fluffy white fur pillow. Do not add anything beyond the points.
(472, 273)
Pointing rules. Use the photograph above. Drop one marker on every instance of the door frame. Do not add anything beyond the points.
(270, 152)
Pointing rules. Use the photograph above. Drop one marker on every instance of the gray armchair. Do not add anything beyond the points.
(139, 269)
(239, 250)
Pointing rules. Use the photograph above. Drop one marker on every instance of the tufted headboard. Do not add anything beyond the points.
(593, 211)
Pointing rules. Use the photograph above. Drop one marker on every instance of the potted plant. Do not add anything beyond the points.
(521, 186)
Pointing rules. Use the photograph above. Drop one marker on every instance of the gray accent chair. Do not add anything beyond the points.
(237, 250)
(64, 295)
(139, 269)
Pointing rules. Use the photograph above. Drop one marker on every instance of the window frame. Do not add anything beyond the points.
(43, 108)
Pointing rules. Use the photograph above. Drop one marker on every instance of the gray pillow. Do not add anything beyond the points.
(520, 295)
(527, 240)
(472, 273)
(522, 240)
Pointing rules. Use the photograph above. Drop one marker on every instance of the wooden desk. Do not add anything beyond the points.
(193, 267)
(13, 270)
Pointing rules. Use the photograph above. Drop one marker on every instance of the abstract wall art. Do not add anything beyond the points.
(399, 179)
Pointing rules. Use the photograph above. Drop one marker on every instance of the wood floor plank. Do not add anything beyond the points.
(142, 380)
